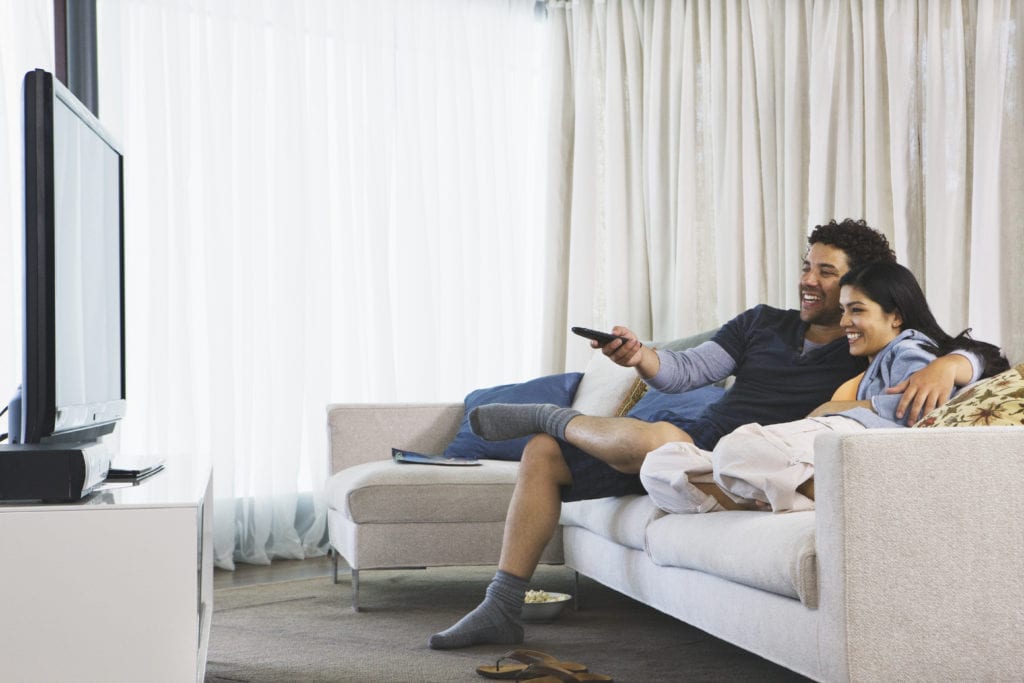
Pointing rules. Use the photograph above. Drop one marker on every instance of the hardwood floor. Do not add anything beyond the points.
(279, 570)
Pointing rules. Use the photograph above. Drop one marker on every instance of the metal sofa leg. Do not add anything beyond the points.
(355, 590)
(355, 578)
(575, 591)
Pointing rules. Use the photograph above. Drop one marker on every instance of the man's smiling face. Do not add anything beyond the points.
(823, 266)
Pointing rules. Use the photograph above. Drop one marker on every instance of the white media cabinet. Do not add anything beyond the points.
(117, 587)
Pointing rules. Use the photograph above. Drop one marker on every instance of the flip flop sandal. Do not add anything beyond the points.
(545, 673)
(522, 659)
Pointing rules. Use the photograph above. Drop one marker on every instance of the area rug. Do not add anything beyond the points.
(306, 631)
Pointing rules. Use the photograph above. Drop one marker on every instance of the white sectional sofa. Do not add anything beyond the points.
(911, 568)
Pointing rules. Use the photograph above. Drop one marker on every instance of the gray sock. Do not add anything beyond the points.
(499, 421)
(495, 620)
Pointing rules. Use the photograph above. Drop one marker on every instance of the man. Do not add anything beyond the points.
(785, 364)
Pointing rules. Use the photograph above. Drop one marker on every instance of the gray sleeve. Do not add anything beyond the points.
(975, 362)
(692, 368)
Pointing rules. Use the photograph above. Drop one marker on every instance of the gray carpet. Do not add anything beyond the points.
(306, 631)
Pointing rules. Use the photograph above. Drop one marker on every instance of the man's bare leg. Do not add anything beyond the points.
(531, 522)
(622, 442)
(535, 507)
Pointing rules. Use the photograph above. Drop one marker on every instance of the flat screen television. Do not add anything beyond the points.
(73, 379)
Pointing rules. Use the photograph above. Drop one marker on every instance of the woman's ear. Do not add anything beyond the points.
(897, 319)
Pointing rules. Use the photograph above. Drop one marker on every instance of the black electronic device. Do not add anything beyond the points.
(73, 382)
(602, 338)
(52, 473)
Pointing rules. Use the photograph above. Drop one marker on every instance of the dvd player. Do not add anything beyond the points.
(52, 472)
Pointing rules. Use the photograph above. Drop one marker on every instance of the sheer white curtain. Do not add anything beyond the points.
(708, 137)
(327, 201)
(26, 43)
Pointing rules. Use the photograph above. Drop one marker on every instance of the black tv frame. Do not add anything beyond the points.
(39, 409)
(58, 452)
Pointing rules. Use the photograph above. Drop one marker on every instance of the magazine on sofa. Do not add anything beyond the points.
(403, 456)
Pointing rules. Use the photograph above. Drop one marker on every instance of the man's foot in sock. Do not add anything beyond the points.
(488, 623)
(499, 421)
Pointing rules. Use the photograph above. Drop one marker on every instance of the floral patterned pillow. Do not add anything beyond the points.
(997, 400)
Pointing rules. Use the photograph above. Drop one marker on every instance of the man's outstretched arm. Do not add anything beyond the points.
(671, 371)
(933, 385)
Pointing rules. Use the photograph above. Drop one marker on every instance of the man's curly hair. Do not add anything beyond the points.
(861, 243)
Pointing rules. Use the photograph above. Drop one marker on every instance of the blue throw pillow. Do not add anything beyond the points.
(655, 405)
(557, 389)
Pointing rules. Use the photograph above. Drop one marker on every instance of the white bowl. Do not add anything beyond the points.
(545, 611)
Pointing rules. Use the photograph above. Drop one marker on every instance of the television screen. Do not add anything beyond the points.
(73, 382)
(87, 258)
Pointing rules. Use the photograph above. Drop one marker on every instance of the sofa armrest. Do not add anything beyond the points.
(365, 432)
(920, 541)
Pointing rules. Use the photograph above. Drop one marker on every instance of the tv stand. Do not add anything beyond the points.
(116, 587)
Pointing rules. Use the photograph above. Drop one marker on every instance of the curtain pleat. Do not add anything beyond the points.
(997, 177)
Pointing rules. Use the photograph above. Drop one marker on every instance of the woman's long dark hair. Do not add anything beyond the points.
(895, 289)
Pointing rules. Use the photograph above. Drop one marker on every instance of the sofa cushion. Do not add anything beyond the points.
(606, 388)
(623, 520)
(998, 400)
(686, 342)
(656, 405)
(556, 389)
(763, 550)
(387, 492)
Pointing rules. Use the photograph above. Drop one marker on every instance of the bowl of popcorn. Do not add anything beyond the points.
(543, 606)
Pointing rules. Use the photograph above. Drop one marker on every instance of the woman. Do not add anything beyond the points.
(887, 320)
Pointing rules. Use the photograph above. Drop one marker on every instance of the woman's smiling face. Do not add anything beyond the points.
(868, 328)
